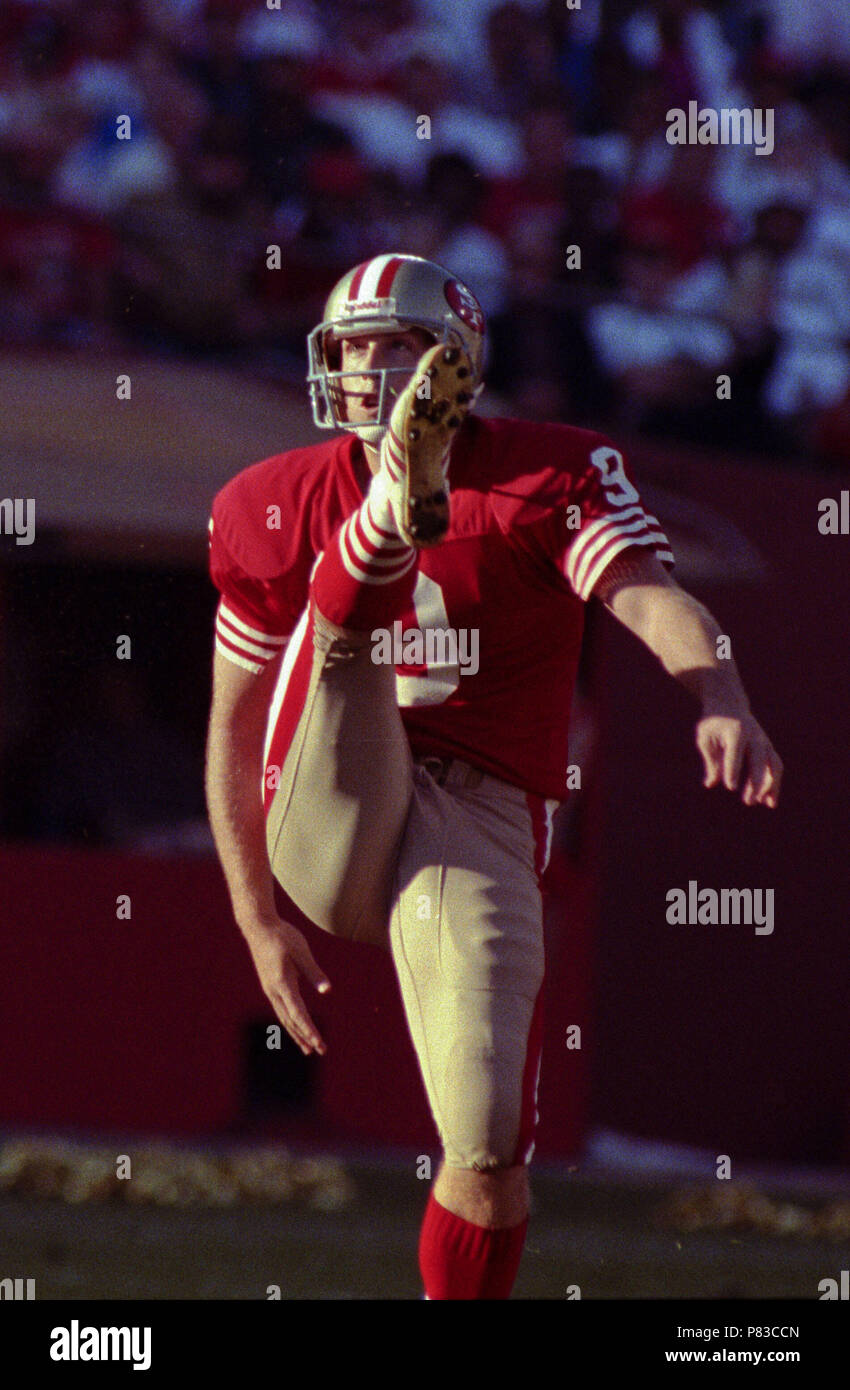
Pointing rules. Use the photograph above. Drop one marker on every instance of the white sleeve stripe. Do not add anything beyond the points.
(268, 637)
(242, 644)
(585, 549)
(622, 514)
(242, 633)
(601, 523)
(589, 533)
(600, 546)
(236, 659)
(597, 569)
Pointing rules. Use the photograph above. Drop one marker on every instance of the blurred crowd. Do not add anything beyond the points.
(151, 151)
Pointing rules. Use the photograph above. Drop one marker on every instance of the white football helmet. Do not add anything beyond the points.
(386, 294)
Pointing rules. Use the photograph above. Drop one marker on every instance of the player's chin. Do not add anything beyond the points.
(368, 427)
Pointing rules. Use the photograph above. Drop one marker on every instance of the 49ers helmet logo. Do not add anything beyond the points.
(464, 304)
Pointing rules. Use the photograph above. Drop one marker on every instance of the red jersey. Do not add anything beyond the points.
(537, 513)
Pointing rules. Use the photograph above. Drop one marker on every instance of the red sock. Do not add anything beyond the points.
(367, 575)
(460, 1260)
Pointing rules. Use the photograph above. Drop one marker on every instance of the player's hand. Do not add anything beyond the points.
(281, 955)
(733, 749)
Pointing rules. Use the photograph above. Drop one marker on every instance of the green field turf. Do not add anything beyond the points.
(607, 1237)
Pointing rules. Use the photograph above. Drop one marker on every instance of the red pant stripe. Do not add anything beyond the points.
(530, 1077)
(290, 712)
(531, 1071)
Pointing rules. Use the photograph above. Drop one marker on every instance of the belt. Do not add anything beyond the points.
(451, 771)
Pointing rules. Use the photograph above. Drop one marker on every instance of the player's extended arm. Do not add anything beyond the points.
(681, 632)
(237, 727)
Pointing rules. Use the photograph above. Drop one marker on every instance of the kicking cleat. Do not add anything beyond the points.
(415, 449)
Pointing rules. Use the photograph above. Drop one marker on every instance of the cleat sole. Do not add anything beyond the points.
(437, 418)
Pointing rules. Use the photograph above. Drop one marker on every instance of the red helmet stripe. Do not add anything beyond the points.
(354, 287)
(388, 274)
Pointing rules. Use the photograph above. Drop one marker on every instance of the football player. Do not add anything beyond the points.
(397, 788)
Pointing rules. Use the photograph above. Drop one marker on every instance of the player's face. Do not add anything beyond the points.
(369, 353)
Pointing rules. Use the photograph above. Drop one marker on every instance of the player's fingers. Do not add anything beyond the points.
(757, 775)
(296, 1033)
(314, 972)
(733, 757)
(294, 1004)
(756, 765)
(709, 752)
(768, 790)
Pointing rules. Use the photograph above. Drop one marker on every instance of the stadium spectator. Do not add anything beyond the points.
(830, 434)
(175, 105)
(684, 42)
(55, 264)
(316, 114)
(541, 358)
(190, 255)
(100, 78)
(681, 208)
(327, 233)
(286, 133)
(811, 373)
(818, 31)
(368, 40)
(540, 185)
(522, 61)
(801, 167)
(635, 152)
(661, 362)
(450, 230)
(391, 134)
(34, 56)
(218, 64)
(575, 38)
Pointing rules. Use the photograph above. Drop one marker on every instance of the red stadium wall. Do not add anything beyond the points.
(138, 1025)
(712, 1035)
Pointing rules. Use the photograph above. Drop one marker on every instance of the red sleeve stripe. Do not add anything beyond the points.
(224, 647)
(368, 568)
(231, 640)
(594, 543)
(241, 644)
(268, 639)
